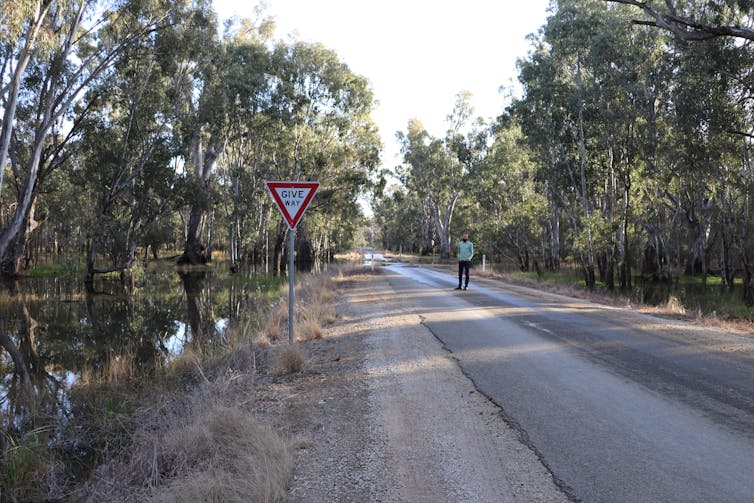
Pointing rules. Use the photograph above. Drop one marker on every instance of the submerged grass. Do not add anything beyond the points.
(27, 468)
(48, 270)
(710, 305)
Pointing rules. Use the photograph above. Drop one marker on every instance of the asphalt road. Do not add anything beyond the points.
(619, 406)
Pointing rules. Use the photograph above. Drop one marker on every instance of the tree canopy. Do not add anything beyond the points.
(141, 126)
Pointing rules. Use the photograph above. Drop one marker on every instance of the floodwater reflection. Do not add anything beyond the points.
(53, 331)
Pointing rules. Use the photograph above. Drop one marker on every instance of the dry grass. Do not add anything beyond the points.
(197, 446)
(247, 333)
(223, 455)
(675, 306)
(291, 359)
(116, 370)
(314, 309)
(277, 318)
(308, 329)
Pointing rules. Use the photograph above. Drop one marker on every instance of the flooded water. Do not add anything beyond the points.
(53, 331)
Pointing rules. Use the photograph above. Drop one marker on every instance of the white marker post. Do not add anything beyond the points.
(292, 199)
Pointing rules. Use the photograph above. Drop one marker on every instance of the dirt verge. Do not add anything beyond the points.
(381, 412)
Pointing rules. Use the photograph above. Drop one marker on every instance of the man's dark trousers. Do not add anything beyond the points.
(463, 268)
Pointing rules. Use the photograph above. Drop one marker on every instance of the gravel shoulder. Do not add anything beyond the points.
(382, 412)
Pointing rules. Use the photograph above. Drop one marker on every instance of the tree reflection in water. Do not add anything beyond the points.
(53, 331)
(30, 396)
(201, 319)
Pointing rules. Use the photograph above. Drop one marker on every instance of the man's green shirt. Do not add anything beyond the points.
(465, 250)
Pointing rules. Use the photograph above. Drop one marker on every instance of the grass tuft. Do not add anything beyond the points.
(223, 455)
(675, 306)
(291, 359)
(29, 469)
(309, 329)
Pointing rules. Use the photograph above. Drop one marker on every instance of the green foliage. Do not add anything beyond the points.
(25, 464)
(48, 270)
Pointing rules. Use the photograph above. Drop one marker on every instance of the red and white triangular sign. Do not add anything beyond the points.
(292, 198)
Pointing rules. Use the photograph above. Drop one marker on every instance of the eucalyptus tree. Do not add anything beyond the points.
(556, 111)
(571, 32)
(714, 127)
(427, 172)
(739, 176)
(697, 20)
(510, 198)
(424, 156)
(631, 76)
(126, 157)
(404, 220)
(195, 61)
(398, 214)
(321, 130)
(541, 113)
(438, 170)
(590, 86)
(52, 52)
(251, 112)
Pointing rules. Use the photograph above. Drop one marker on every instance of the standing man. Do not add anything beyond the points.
(465, 253)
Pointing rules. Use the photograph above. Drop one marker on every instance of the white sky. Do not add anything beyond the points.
(417, 54)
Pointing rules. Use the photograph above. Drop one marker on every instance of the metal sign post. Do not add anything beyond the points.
(291, 288)
(292, 199)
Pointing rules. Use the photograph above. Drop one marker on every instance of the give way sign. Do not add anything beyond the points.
(292, 198)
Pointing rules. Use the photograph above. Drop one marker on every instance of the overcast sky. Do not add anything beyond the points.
(417, 54)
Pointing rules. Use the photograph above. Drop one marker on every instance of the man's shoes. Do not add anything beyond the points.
(466, 287)
(458, 287)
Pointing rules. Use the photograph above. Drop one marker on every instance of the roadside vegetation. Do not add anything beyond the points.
(185, 433)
